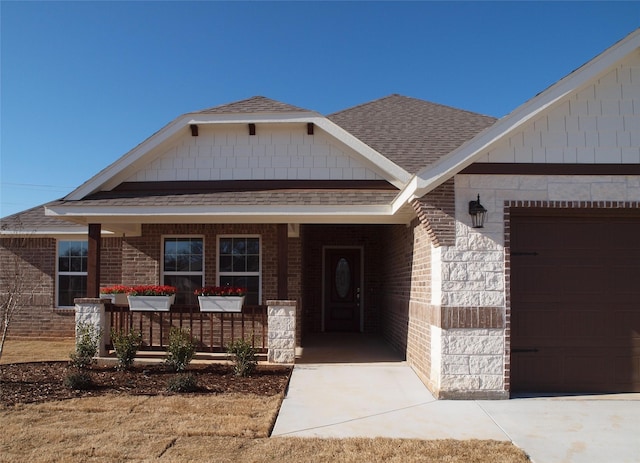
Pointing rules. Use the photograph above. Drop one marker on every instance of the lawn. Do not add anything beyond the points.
(195, 428)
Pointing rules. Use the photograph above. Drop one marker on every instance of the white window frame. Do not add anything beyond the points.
(251, 274)
(164, 273)
(60, 273)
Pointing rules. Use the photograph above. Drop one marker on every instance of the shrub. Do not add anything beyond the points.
(87, 341)
(180, 350)
(78, 379)
(126, 346)
(244, 357)
(184, 382)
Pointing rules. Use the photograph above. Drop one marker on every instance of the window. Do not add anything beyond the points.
(183, 266)
(239, 265)
(72, 271)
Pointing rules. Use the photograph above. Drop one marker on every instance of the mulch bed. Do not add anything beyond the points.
(44, 381)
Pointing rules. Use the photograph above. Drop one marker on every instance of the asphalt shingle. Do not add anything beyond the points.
(410, 132)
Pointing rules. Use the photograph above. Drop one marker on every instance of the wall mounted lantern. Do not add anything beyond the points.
(477, 213)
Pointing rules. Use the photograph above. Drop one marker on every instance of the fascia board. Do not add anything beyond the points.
(246, 118)
(406, 195)
(117, 219)
(52, 233)
(118, 213)
(102, 177)
(389, 170)
(392, 172)
(439, 172)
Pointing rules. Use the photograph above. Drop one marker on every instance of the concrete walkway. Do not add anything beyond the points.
(384, 398)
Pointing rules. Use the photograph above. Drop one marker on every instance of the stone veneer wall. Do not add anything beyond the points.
(472, 341)
(281, 340)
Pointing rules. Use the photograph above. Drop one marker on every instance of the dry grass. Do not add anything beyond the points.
(39, 350)
(198, 428)
(224, 428)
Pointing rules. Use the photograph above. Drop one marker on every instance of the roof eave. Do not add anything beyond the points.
(374, 214)
(446, 167)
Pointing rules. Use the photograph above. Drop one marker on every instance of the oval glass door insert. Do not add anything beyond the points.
(343, 278)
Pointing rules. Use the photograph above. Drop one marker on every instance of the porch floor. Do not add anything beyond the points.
(345, 348)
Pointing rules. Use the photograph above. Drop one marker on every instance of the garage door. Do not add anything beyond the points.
(575, 303)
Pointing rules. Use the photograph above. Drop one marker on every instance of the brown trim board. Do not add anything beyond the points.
(507, 168)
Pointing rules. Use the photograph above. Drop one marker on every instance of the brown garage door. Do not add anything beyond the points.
(575, 302)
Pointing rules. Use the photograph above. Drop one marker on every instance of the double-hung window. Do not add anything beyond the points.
(183, 266)
(239, 265)
(72, 271)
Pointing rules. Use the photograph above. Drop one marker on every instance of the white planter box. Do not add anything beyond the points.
(221, 303)
(117, 298)
(151, 303)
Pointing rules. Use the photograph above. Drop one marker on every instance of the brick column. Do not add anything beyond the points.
(91, 311)
(281, 340)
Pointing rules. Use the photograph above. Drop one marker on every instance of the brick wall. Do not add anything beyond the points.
(130, 260)
(408, 311)
(36, 259)
(437, 212)
(141, 256)
(32, 262)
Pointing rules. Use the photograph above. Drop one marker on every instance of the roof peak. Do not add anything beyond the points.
(254, 104)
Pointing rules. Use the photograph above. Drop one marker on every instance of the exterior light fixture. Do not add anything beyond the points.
(477, 213)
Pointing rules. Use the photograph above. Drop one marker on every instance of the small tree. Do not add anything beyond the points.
(126, 346)
(180, 350)
(244, 357)
(17, 285)
(87, 342)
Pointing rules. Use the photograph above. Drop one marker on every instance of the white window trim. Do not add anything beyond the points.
(252, 274)
(59, 273)
(204, 253)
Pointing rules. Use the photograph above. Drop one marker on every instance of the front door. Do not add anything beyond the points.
(342, 289)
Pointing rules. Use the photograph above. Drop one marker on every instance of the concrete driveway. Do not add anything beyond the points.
(383, 397)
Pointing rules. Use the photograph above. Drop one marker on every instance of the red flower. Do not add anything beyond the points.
(116, 289)
(220, 291)
(152, 290)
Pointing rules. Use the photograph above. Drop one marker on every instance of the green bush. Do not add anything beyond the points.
(184, 382)
(244, 357)
(180, 350)
(126, 346)
(78, 379)
(87, 342)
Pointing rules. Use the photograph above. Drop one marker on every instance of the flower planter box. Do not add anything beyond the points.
(151, 303)
(116, 298)
(221, 303)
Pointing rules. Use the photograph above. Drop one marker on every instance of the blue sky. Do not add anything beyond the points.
(84, 82)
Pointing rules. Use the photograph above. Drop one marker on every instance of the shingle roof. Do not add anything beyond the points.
(242, 198)
(410, 132)
(33, 219)
(255, 104)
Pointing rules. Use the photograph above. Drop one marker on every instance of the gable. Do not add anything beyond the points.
(275, 152)
(602, 122)
(598, 123)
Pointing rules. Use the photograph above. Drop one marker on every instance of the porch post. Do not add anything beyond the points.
(93, 260)
(283, 262)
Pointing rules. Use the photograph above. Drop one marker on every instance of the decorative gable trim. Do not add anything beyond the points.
(445, 168)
